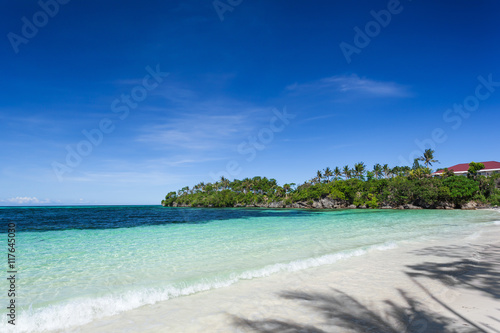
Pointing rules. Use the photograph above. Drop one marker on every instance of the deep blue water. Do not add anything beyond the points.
(109, 217)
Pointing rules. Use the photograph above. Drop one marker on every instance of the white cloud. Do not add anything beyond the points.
(25, 201)
(352, 84)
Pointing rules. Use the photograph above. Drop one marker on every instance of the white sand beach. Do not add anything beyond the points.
(451, 286)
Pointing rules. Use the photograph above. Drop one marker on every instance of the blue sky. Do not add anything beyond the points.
(120, 102)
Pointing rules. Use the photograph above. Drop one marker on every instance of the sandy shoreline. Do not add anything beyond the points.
(446, 286)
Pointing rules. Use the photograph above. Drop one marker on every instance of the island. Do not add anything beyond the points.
(383, 187)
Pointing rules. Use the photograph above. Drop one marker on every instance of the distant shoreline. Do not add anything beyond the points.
(327, 203)
(404, 188)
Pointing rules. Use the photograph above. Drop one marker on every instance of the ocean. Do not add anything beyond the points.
(77, 264)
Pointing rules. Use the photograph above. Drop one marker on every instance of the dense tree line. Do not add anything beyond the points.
(381, 186)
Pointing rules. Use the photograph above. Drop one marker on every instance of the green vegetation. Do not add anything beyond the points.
(473, 169)
(345, 187)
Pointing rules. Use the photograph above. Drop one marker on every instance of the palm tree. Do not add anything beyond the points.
(428, 158)
(359, 169)
(255, 183)
(416, 165)
(287, 188)
(377, 170)
(209, 187)
(184, 190)
(347, 172)
(337, 173)
(280, 191)
(236, 185)
(327, 173)
(386, 170)
(319, 176)
(224, 182)
(246, 184)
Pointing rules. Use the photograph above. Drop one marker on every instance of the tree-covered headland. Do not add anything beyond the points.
(346, 187)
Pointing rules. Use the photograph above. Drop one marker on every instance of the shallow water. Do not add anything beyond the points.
(78, 264)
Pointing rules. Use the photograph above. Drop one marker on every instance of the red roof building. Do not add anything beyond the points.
(461, 169)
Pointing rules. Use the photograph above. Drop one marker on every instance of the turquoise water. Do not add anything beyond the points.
(82, 263)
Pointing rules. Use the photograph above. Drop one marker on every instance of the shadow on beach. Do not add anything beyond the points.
(475, 267)
(471, 267)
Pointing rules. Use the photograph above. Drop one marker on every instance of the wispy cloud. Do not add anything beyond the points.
(201, 123)
(157, 171)
(128, 177)
(326, 116)
(181, 161)
(352, 84)
(196, 131)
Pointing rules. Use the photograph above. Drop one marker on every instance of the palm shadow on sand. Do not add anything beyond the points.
(474, 269)
(341, 312)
